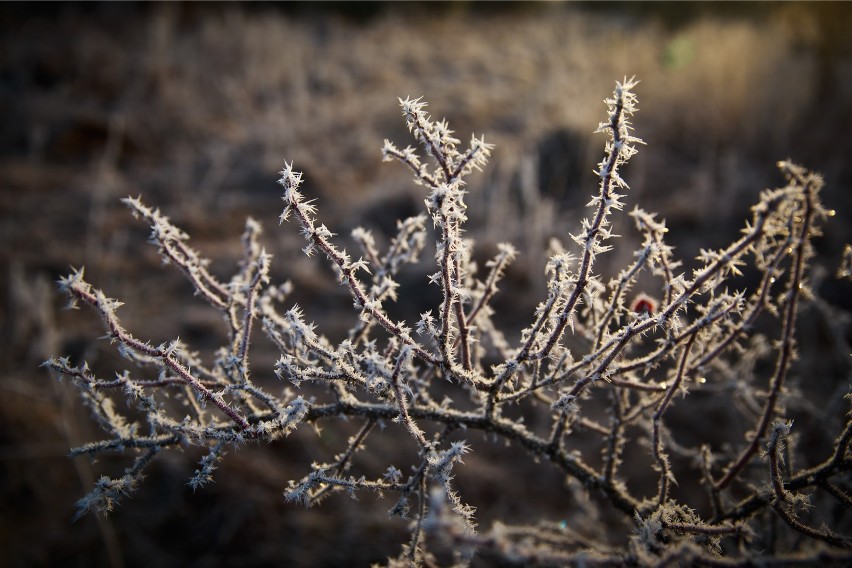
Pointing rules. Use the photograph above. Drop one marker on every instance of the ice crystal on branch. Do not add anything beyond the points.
(602, 363)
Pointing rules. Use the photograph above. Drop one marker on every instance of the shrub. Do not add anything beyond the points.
(597, 363)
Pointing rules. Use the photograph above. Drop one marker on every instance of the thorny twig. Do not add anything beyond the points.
(585, 337)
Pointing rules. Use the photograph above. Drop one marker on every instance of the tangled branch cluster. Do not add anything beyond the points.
(589, 341)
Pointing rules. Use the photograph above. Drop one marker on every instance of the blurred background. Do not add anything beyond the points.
(195, 107)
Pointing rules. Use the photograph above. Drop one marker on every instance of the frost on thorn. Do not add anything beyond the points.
(648, 329)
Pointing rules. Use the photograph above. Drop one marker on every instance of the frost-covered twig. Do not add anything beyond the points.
(593, 344)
